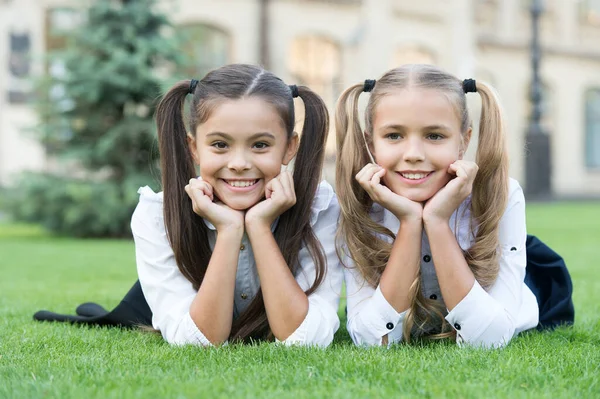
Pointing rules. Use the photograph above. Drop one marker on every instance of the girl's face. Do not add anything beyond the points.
(416, 136)
(240, 148)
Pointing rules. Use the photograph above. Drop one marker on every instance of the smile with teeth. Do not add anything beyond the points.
(241, 183)
(414, 176)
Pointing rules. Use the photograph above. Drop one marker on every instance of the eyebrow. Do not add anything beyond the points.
(402, 128)
(253, 137)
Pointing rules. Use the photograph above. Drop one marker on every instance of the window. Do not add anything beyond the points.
(592, 128)
(60, 22)
(18, 67)
(412, 55)
(315, 61)
(207, 47)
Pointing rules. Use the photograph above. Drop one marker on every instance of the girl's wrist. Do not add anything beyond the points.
(257, 226)
(412, 222)
(433, 222)
(231, 231)
(414, 219)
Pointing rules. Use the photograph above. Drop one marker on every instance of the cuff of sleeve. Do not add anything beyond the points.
(298, 337)
(473, 314)
(191, 334)
(317, 328)
(382, 319)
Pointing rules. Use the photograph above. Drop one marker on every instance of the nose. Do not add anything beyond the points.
(414, 150)
(239, 161)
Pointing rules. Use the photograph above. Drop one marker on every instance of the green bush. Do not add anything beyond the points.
(80, 208)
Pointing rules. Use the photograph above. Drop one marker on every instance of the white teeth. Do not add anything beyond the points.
(414, 176)
(241, 183)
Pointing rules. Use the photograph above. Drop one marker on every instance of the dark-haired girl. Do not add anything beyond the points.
(246, 250)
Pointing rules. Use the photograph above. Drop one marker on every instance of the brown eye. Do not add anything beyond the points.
(221, 145)
(261, 145)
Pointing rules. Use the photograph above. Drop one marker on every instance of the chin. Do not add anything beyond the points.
(416, 196)
(240, 204)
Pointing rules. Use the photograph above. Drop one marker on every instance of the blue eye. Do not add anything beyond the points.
(393, 136)
(435, 136)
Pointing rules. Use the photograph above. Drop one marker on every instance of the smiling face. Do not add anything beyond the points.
(415, 137)
(240, 148)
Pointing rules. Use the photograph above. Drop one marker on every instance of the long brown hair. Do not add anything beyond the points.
(187, 233)
(363, 237)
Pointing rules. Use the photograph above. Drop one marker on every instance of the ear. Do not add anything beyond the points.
(465, 143)
(191, 140)
(292, 149)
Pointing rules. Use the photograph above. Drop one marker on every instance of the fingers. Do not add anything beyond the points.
(201, 194)
(366, 174)
(202, 186)
(287, 182)
(276, 188)
(376, 179)
(281, 189)
(464, 169)
(269, 188)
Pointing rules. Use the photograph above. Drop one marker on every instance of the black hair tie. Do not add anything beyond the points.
(469, 86)
(369, 85)
(193, 84)
(294, 90)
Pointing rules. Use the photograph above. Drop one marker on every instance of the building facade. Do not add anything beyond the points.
(332, 44)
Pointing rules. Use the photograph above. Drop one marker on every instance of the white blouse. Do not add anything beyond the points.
(170, 294)
(483, 318)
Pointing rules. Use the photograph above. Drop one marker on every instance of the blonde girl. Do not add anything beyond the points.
(434, 245)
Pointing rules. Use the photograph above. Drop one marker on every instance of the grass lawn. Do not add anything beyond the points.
(63, 361)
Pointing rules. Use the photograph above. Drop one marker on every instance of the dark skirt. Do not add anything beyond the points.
(546, 275)
(549, 280)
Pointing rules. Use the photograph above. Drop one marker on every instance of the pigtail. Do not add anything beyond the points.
(294, 226)
(185, 230)
(490, 189)
(356, 227)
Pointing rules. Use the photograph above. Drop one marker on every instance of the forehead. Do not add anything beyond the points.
(247, 115)
(415, 107)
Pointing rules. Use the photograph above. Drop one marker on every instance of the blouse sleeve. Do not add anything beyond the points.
(370, 315)
(490, 319)
(321, 321)
(168, 293)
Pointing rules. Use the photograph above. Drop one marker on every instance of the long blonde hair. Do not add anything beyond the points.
(364, 238)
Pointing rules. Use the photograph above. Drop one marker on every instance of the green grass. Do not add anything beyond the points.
(62, 361)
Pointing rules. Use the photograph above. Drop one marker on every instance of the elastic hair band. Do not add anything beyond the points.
(193, 84)
(369, 85)
(294, 90)
(469, 86)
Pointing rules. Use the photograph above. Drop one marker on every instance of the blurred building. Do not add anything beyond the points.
(331, 44)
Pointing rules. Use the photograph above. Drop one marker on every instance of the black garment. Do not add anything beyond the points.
(132, 311)
(546, 275)
(549, 280)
